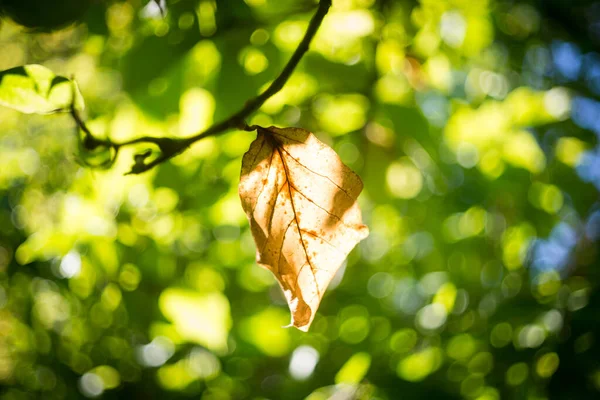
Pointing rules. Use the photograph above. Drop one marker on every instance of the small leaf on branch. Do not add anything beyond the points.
(300, 200)
(34, 89)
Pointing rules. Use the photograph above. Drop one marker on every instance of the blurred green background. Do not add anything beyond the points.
(473, 123)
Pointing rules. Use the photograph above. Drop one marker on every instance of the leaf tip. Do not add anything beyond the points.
(295, 324)
(303, 328)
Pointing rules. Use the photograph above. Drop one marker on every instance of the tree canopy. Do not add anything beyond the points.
(128, 264)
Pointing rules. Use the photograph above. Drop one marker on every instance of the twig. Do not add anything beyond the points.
(170, 147)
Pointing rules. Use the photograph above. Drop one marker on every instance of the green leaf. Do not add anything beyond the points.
(34, 89)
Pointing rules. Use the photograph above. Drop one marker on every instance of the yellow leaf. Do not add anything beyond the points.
(300, 200)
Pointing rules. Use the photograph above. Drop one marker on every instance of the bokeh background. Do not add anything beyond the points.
(473, 124)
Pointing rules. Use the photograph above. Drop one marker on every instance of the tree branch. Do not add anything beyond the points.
(170, 147)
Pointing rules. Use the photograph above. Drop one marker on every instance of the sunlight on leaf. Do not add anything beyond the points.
(197, 108)
(301, 202)
(569, 150)
(203, 319)
(34, 89)
(418, 366)
(354, 370)
(264, 331)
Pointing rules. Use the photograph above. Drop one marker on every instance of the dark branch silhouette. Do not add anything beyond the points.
(170, 147)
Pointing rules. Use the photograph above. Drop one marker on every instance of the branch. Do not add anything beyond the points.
(170, 147)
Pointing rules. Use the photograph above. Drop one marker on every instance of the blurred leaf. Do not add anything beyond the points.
(264, 331)
(336, 77)
(152, 67)
(204, 319)
(354, 370)
(289, 177)
(34, 89)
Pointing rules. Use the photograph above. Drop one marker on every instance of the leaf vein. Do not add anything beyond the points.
(264, 184)
(258, 152)
(316, 173)
(285, 168)
(275, 203)
(282, 243)
(314, 278)
(283, 136)
(321, 238)
(313, 202)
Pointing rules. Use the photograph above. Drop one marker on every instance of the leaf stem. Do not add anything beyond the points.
(170, 147)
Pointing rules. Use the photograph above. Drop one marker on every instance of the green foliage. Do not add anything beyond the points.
(34, 89)
(473, 125)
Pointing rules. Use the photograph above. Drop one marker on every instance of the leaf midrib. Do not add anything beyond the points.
(290, 186)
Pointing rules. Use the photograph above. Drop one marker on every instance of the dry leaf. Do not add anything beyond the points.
(300, 200)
